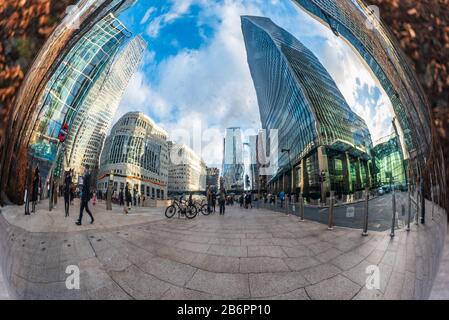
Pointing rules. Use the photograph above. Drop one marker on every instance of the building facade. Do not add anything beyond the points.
(68, 88)
(213, 178)
(320, 137)
(187, 171)
(136, 152)
(96, 114)
(233, 165)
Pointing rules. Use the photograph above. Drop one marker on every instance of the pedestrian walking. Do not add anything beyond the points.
(214, 200)
(121, 198)
(128, 196)
(67, 189)
(222, 201)
(85, 197)
(282, 198)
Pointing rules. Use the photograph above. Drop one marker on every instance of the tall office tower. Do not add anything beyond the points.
(135, 152)
(254, 163)
(354, 22)
(69, 86)
(320, 136)
(95, 116)
(233, 166)
(187, 171)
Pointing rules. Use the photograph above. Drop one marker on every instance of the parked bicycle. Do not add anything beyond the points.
(202, 207)
(183, 208)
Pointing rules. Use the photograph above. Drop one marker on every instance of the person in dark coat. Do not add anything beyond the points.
(36, 180)
(128, 196)
(67, 189)
(121, 198)
(85, 197)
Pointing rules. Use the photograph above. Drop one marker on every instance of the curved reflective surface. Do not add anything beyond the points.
(301, 119)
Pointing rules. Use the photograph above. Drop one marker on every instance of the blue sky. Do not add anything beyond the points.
(195, 79)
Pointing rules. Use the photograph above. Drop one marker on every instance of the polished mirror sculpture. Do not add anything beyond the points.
(299, 121)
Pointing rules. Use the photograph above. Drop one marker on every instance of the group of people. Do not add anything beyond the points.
(125, 197)
(224, 199)
(245, 200)
(212, 198)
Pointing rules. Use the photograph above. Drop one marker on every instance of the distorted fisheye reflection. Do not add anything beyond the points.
(299, 122)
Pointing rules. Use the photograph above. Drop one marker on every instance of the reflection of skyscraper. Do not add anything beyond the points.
(233, 166)
(95, 116)
(319, 132)
(388, 162)
(73, 79)
(349, 20)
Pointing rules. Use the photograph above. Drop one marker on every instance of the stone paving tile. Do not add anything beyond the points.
(347, 260)
(319, 247)
(177, 293)
(299, 294)
(176, 254)
(395, 285)
(257, 242)
(328, 255)
(139, 284)
(336, 288)
(262, 264)
(319, 273)
(298, 264)
(375, 256)
(216, 263)
(358, 273)
(191, 246)
(168, 270)
(272, 284)
(229, 251)
(223, 284)
(225, 242)
(297, 252)
(266, 251)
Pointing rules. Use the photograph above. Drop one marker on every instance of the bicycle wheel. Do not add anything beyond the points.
(170, 211)
(191, 211)
(204, 210)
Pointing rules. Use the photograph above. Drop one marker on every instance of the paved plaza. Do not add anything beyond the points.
(246, 254)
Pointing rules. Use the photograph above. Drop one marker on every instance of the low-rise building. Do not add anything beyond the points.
(136, 152)
(187, 171)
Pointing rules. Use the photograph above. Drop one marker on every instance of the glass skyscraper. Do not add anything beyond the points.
(317, 128)
(96, 115)
(72, 81)
(233, 165)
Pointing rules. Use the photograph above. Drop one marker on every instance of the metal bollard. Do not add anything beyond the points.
(365, 221)
(409, 213)
(301, 208)
(394, 213)
(330, 222)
